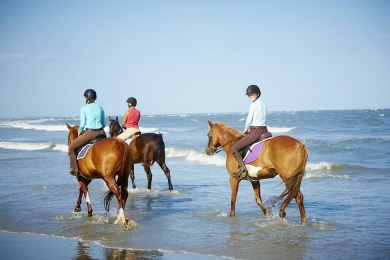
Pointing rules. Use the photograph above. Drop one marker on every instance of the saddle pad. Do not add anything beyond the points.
(83, 151)
(254, 152)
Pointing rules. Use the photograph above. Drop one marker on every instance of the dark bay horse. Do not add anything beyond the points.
(106, 159)
(146, 149)
(281, 155)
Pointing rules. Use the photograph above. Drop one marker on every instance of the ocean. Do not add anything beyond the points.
(346, 193)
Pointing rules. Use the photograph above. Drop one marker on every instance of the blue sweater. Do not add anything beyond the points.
(92, 116)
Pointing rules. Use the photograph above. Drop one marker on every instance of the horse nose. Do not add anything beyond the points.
(208, 151)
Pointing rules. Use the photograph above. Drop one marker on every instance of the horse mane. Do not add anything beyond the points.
(228, 128)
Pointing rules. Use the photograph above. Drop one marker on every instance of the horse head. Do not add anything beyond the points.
(114, 128)
(73, 132)
(220, 135)
(213, 141)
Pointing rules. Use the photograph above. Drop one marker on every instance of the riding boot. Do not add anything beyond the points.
(74, 169)
(242, 171)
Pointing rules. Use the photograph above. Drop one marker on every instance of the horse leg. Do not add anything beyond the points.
(149, 176)
(78, 203)
(256, 190)
(118, 194)
(234, 182)
(84, 189)
(125, 193)
(132, 176)
(167, 172)
(299, 200)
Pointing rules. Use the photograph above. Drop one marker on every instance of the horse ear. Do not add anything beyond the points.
(210, 124)
(117, 118)
(68, 126)
(109, 118)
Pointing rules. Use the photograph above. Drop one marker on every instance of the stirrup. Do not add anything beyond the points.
(242, 172)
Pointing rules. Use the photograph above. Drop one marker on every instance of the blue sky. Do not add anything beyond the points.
(193, 56)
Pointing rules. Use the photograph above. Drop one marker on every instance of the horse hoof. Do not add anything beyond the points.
(282, 214)
(77, 209)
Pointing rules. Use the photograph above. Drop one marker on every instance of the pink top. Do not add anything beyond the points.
(133, 118)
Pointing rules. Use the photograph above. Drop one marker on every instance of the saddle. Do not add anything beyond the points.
(252, 152)
(82, 150)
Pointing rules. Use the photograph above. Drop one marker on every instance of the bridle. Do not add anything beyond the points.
(220, 148)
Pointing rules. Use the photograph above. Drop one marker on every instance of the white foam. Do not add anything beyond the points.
(195, 156)
(28, 125)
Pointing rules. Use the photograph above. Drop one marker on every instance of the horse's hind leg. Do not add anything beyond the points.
(256, 190)
(167, 173)
(299, 200)
(118, 194)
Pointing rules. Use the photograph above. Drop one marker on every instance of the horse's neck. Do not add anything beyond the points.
(229, 138)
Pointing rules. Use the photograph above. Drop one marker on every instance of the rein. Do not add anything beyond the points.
(220, 148)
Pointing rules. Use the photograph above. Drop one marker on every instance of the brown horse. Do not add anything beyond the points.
(146, 149)
(281, 155)
(106, 159)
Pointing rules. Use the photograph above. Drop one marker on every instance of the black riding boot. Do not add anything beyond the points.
(74, 168)
(242, 171)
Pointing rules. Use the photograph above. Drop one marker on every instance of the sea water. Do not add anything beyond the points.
(346, 190)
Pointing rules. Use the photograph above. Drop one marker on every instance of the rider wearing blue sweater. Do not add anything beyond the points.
(255, 126)
(92, 122)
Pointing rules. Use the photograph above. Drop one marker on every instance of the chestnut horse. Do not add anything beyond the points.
(106, 159)
(146, 149)
(281, 155)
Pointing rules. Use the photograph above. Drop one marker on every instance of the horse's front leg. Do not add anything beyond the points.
(132, 175)
(234, 183)
(256, 190)
(78, 203)
(149, 176)
(84, 189)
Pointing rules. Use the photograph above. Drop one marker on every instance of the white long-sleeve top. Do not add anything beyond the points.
(257, 115)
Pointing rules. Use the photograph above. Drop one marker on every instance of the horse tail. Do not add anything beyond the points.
(293, 183)
(121, 168)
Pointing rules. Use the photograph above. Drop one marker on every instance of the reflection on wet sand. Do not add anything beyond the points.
(83, 253)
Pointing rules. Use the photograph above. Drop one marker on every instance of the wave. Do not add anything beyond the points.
(29, 125)
(280, 129)
(33, 146)
(34, 125)
(195, 156)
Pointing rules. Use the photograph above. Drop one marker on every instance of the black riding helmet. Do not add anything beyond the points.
(253, 89)
(132, 101)
(90, 94)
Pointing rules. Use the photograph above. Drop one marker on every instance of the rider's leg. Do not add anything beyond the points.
(74, 169)
(243, 172)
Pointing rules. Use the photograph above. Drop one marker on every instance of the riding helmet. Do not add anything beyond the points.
(253, 89)
(90, 94)
(132, 101)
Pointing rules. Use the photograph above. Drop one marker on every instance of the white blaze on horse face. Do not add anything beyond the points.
(253, 170)
(87, 198)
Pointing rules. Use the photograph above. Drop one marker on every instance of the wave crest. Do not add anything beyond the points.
(195, 156)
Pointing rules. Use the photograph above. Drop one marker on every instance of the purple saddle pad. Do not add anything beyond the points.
(253, 152)
(83, 151)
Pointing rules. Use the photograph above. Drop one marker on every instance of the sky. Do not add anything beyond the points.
(193, 56)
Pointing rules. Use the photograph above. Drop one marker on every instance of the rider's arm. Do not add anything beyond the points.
(125, 118)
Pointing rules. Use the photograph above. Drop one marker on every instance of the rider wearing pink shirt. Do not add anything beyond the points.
(130, 119)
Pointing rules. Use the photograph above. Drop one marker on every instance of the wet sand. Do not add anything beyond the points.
(31, 246)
